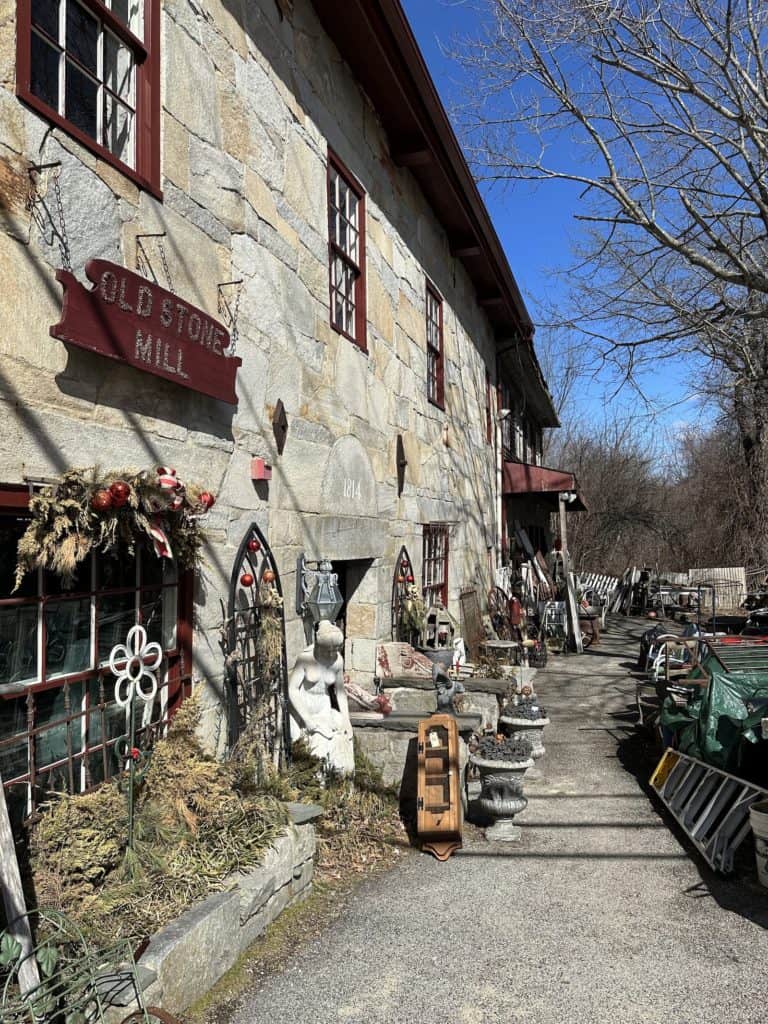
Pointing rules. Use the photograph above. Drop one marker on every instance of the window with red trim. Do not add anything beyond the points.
(435, 373)
(346, 242)
(60, 727)
(93, 69)
(434, 570)
(509, 423)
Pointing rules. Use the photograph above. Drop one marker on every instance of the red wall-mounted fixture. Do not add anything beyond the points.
(260, 470)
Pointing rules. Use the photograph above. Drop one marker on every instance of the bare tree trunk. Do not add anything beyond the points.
(751, 414)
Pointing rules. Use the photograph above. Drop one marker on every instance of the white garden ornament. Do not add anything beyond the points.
(140, 660)
(136, 678)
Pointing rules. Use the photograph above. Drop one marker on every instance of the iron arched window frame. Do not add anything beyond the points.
(255, 563)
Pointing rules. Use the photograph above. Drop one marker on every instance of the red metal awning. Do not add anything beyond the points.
(522, 478)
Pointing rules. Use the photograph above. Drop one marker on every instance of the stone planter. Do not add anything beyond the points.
(532, 729)
(501, 795)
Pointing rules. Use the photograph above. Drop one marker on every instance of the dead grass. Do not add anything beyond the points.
(197, 821)
(194, 826)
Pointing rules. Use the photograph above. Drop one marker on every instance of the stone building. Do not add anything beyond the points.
(290, 174)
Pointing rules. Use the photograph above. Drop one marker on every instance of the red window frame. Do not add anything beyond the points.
(433, 316)
(337, 251)
(146, 53)
(508, 424)
(95, 708)
(434, 565)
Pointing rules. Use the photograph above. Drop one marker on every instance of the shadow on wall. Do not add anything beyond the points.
(90, 378)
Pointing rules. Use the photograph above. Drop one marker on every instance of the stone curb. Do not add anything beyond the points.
(191, 953)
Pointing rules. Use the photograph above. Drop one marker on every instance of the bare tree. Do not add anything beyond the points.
(626, 490)
(658, 110)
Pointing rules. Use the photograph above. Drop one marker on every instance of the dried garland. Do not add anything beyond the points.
(89, 510)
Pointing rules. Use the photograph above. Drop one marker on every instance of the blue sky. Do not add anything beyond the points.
(535, 223)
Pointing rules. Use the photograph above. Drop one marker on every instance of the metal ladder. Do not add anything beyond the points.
(711, 805)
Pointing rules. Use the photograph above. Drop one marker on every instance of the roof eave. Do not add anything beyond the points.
(376, 40)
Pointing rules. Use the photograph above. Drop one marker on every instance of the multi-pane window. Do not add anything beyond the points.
(91, 67)
(526, 436)
(435, 565)
(532, 442)
(508, 423)
(435, 379)
(59, 724)
(538, 445)
(346, 234)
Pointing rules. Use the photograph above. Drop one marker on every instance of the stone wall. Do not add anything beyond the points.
(188, 956)
(250, 105)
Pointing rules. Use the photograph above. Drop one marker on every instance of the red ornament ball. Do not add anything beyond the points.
(119, 491)
(246, 579)
(101, 501)
(207, 500)
(254, 545)
(401, 579)
(409, 578)
(269, 576)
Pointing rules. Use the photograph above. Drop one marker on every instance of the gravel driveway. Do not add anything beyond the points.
(597, 916)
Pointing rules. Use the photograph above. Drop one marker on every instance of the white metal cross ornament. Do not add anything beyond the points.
(140, 660)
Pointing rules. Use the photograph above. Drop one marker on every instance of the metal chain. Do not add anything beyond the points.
(164, 261)
(62, 234)
(234, 333)
(143, 265)
(231, 311)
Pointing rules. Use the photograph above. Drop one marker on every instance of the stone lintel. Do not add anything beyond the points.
(302, 813)
(473, 685)
(342, 538)
(410, 723)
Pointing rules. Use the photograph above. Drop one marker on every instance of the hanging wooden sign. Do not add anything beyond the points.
(133, 320)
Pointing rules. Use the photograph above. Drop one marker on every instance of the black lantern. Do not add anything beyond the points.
(318, 594)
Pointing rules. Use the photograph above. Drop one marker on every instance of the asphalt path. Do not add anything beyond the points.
(600, 914)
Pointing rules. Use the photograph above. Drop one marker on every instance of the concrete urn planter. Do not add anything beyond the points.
(501, 795)
(528, 728)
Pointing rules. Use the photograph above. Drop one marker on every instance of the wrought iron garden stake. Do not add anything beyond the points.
(138, 660)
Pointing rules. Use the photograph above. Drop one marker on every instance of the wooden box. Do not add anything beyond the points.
(438, 794)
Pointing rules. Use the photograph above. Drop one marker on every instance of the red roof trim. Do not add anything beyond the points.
(523, 478)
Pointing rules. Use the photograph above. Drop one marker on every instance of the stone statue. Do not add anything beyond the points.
(318, 701)
(449, 691)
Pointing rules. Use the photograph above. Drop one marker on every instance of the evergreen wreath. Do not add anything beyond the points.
(90, 510)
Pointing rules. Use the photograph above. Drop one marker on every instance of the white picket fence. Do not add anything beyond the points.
(602, 584)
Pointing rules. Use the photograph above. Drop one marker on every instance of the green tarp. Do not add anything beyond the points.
(721, 724)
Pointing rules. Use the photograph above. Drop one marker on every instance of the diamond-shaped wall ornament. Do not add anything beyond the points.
(402, 462)
(280, 425)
